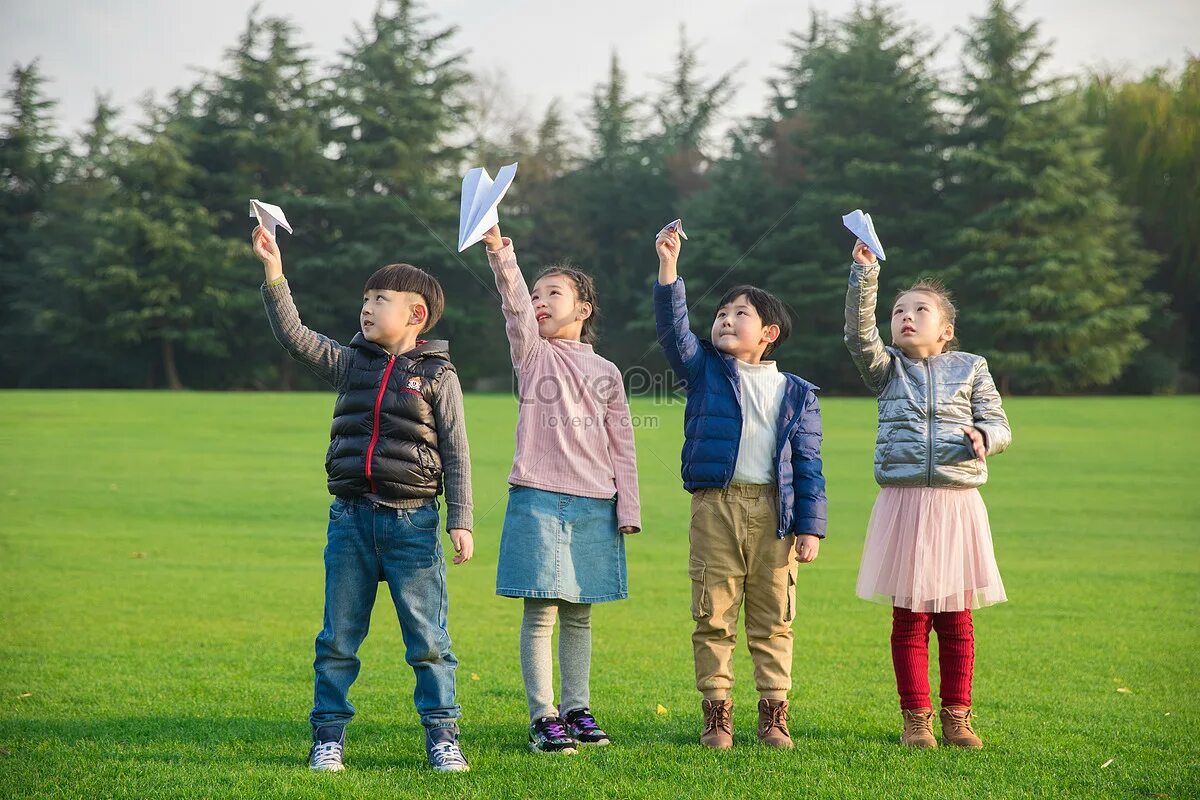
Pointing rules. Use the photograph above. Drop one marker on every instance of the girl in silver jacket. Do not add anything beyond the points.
(929, 546)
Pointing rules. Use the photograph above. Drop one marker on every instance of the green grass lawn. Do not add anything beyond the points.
(161, 584)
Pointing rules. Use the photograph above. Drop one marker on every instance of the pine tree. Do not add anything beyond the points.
(256, 128)
(398, 106)
(31, 156)
(1150, 135)
(852, 124)
(159, 271)
(1048, 269)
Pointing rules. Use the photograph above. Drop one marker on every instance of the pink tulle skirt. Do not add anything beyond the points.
(929, 550)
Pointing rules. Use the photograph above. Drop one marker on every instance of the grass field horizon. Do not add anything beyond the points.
(161, 585)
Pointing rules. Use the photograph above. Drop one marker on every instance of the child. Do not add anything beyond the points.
(398, 439)
(929, 549)
(573, 490)
(752, 461)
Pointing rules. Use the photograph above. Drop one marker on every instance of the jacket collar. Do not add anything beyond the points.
(432, 348)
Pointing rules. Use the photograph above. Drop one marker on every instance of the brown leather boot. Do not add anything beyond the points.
(918, 728)
(718, 724)
(772, 724)
(956, 728)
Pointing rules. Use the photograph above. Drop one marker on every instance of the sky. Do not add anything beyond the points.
(542, 49)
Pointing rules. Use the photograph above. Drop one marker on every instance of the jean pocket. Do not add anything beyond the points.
(423, 518)
(338, 509)
(700, 603)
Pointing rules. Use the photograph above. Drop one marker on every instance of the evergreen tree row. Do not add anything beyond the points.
(1062, 213)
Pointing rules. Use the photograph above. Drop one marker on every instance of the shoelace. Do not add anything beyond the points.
(778, 717)
(327, 754)
(923, 723)
(959, 722)
(553, 729)
(720, 718)
(448, 754)
(584, 720)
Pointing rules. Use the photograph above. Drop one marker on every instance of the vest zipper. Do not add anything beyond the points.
(929, 425)
(387, 372)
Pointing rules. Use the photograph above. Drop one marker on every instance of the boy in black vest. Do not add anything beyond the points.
(398, 439)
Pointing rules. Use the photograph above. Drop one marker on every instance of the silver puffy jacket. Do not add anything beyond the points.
(923, 404)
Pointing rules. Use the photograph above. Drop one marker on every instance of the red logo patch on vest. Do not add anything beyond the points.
(414, 385)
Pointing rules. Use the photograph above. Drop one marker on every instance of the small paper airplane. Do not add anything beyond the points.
(269, 216)
(676, 226)
(861, 226)
(480, 196)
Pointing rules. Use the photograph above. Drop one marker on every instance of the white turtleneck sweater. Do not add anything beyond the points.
(763, 386)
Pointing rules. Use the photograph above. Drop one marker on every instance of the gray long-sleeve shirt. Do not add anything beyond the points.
(330, 361)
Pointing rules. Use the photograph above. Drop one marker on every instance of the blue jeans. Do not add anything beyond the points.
(366, 545)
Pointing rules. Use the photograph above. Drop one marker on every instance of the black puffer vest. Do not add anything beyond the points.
(383, 438)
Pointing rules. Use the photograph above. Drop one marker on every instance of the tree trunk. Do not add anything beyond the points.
(168, 356)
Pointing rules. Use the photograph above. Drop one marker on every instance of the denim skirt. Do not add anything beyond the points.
(561, 546)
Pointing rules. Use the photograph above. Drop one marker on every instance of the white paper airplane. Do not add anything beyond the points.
(269, 216)
(480, 196)
(861, 226)
(676, 226)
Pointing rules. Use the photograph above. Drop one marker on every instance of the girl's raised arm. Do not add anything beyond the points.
(520, 323)
(861, 335)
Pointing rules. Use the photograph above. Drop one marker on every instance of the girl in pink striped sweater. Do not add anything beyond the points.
(573, 489)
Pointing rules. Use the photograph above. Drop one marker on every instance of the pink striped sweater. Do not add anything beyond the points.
(574, 431)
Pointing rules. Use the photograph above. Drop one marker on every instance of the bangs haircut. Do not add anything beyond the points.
(407, 278)
(770, 309)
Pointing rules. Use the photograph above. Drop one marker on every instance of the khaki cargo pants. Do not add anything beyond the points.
(735, 557)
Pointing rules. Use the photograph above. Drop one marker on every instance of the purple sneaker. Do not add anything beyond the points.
(582, 725)
(549, 735)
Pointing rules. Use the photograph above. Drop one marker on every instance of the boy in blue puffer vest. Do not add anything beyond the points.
(398, 441)
(752, 461)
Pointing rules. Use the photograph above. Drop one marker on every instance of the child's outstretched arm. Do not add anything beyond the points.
(324, 357)
(520, 323)
(623, 454)
(456, 464)
(861, 335)
(989, 417)
(679, 344)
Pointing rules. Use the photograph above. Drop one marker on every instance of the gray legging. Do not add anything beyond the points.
(574, 655)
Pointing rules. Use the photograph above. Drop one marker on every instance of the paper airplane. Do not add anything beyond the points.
(861, 226)
(269, 216)
(480, 196)
(676, 226)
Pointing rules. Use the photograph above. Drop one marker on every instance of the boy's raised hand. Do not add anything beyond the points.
(667, 245)
(493, 240)
(267, 250)
(862, 254)
(464, 545)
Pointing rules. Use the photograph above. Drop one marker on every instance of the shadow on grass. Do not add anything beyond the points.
(375, 744)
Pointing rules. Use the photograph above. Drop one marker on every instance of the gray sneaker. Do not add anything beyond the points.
(326, 752)
(443, 751)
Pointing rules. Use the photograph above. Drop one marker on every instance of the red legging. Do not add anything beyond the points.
(910, 655)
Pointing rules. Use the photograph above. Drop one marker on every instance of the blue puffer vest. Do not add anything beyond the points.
(712, 423)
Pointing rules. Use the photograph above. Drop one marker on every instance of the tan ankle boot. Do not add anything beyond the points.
(718, 724)
(772, 724)
(956, 728)
(918, 728)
